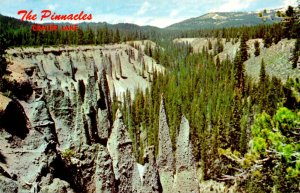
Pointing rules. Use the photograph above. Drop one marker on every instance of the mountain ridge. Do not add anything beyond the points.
(210, 20)
(215, 20)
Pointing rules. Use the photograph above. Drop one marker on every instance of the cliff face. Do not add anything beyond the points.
(125, 67)
(61, 137)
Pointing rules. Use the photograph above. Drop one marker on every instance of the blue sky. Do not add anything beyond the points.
(159, 13)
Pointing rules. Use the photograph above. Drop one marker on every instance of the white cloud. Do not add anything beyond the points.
(164, 21)
(52, 7)
(144, 8)
(286, 3)
(147, 20)
(174, 13)
(233, 5)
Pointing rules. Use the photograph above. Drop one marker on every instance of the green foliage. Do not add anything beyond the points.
(219, 47)
(292, 93)
(202, 90)
(286, 120)
(239, 73)
(216, 96)
(19, 33)
(268, 39)
(220, 115)
(291, 22)
(244, 47)
(290, 11)
(263, 85)
(68, 154)
(275, 142)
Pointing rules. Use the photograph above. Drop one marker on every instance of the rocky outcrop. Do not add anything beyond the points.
(165, 160)
(121, 150)
(12, 117)
(57, 185)
(150, 179)
(61, 146)
(104, 108)
(184, 156)
(8, 185)
(185, 179)
(104, 176)
(77, 62)
(61, 138)
(4, 103)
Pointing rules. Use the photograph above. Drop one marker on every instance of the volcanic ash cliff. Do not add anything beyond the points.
(60, 137)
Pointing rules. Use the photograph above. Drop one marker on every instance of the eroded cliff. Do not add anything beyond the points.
(60, 137)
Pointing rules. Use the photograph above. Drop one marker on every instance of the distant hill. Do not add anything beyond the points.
(120, 26)
(225, 19)
(10, 22)
(208, 21)
(276, 57)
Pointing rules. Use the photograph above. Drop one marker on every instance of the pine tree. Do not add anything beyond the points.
(275, 95)
(80, 40)
(235, 126)
(263, 73)
(268, 39)
(244, 47)
(117, 37)
(218, 63)
(257, 48)
(263, 87)
(239, 73)
(219, 47)
(209, 45)
(115, 103)
(106, 36)
(90, 37)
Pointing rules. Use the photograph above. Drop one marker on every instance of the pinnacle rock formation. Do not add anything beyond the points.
(151, 182)
(104, 175)
(55, 140)
(121, 150)
(165, 160)
(185, 179)
(62, 137)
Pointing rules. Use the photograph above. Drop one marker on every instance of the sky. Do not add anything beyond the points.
(160, 13)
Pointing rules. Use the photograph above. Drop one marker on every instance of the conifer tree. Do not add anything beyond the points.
(80, 40)
(239, 72)
(289, 22)
(268, 40)
(117, 37)
(263, 87)
(218, 63)
(244, 47)
(209, 45)
(235, 129)
(263, 73)
(275, 95)
(257, 48)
